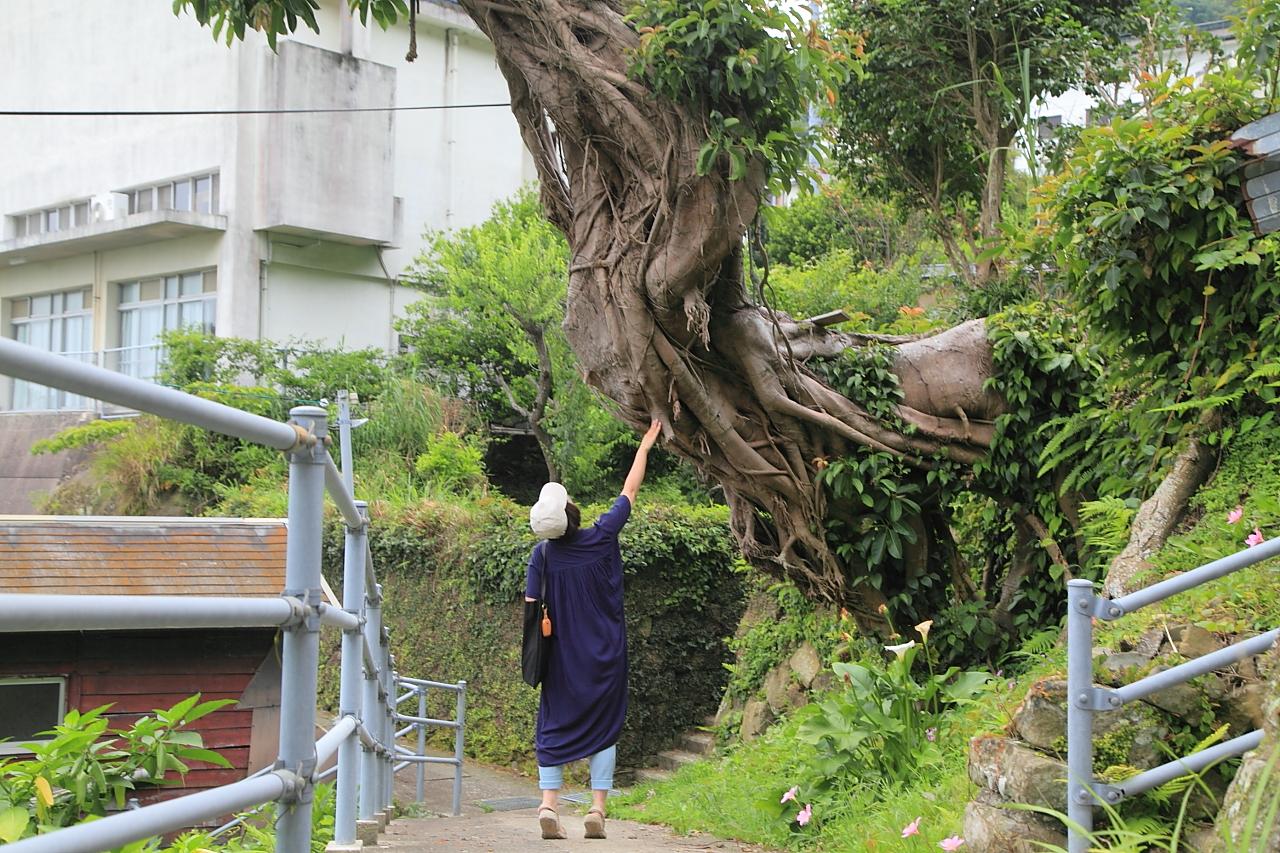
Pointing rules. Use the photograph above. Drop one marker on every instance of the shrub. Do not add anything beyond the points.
(452, 463)
(84, 769)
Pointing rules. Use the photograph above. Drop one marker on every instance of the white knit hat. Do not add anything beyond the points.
(547, 517)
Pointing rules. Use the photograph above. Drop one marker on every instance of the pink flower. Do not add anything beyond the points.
(1255, 538)
(932, 734)
(1235, 515)
(911, 829)
(805, 814)
(955, 842)
(791, 794)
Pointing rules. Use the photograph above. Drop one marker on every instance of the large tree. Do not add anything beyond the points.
(655, 135)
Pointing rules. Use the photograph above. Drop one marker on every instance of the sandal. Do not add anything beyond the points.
(594, 824)
(549, 822)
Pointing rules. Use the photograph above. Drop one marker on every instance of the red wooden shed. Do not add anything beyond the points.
(43, 675)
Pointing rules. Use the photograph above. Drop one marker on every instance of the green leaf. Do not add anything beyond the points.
(13, 823)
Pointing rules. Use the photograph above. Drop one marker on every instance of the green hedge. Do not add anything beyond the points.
(453, 577)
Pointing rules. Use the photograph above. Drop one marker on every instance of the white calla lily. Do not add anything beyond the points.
(901, 648)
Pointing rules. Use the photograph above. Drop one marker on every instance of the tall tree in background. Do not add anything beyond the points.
(950, 84)
(490, 329)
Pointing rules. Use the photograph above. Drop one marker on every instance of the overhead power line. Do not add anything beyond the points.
(249, 112)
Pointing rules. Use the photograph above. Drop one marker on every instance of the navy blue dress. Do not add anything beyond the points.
(584, 692)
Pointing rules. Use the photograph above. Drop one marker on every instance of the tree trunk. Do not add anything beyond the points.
(662, 323)
(538, 412)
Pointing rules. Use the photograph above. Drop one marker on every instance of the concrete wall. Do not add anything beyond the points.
(23, 476)
(329, 174)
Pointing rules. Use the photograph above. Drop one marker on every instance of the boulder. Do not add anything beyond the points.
(1041, 719)
(1182, 700)
(823, 682)
(805, 664)
(1242, 708)
(776, 683)
(1016, 772)
(1148, 645)
(991, 827)
(756, 717)
(729, 707)
(1124, 667)
(1257, 782)
(1192, 641)
(1202, 839)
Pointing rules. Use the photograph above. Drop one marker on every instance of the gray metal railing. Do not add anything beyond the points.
(1084, 699)
(364, 734)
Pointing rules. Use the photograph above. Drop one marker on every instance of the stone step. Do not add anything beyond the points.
(674, 759)
(651, 775)
(699, 743)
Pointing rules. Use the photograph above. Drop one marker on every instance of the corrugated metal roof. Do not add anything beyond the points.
(85, 555)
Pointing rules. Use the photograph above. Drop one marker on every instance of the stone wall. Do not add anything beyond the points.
(1026, 764)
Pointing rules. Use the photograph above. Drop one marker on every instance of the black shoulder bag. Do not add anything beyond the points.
(537, 630)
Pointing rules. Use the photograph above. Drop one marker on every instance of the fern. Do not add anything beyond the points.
(1104, 525)
(1215, 401)
(1177, 787)
(1035, 646)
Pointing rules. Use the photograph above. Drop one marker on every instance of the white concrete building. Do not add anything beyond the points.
(276, 226)
(1076, 107)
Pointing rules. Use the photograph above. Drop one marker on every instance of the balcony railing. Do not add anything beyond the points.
(139, 362)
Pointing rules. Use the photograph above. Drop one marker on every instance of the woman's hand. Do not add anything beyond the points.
(650, 437)
(636, 476)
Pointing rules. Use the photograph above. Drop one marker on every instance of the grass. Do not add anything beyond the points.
(737, 796)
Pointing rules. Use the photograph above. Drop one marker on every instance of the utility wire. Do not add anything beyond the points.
(248, 112)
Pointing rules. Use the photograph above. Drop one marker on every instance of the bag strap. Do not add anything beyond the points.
(542, 575)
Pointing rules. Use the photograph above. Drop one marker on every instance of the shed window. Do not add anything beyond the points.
(29, 706)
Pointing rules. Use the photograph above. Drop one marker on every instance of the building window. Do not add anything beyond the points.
(58, 323)
(151, 306)
(198, 193)
(51, 220)
(29, 706)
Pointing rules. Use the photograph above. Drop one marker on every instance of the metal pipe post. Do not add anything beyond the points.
(369, 758)
(342, 497)
(160, 818)
(457, 748)
(421, 780)
(388, 722)
(25, 362)
(21, 612)
(344, 824)
(1079, 716)
(344, 440)
(301, 646)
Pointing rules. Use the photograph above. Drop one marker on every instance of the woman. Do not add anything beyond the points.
(584, 688)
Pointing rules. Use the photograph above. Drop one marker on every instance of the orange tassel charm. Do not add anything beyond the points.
(546, 622)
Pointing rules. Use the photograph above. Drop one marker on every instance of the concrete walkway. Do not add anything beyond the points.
(482, 829)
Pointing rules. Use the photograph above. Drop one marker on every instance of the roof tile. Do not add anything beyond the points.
(141, 556)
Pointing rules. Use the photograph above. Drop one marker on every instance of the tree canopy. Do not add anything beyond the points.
(490, 329)
(949, 86)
